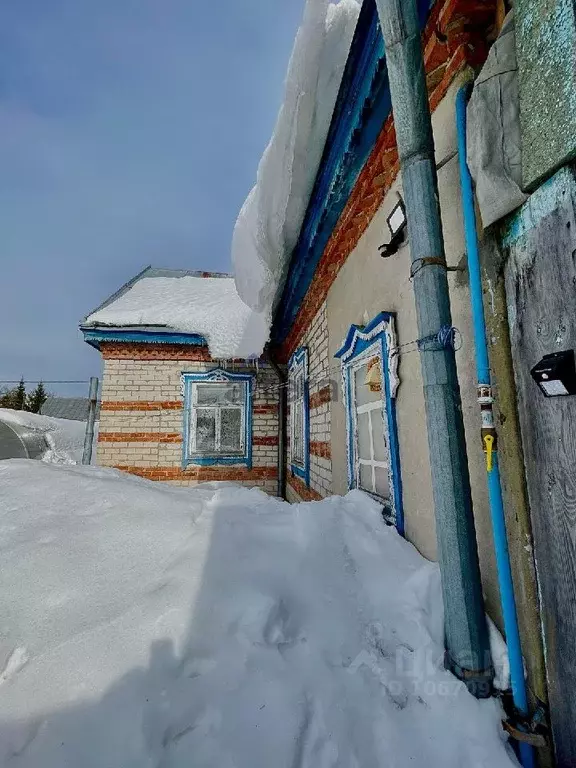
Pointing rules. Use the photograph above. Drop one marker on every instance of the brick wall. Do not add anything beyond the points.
(141, 419)
(316, 340)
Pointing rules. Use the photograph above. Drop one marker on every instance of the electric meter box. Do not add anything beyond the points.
(555, 374)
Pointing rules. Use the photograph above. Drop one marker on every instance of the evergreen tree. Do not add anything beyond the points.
(20, 396)
(7, 397)
(36, 399)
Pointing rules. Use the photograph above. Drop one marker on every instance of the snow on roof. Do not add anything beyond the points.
(269, 223)
(188, 303)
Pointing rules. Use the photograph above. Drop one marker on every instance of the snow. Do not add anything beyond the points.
(149, 626)
(208, 306)
(64, 437)
(270, 220)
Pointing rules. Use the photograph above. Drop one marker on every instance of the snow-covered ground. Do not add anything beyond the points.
(148, 626)
(64, 437)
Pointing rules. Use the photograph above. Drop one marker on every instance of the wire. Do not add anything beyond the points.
(44, 381)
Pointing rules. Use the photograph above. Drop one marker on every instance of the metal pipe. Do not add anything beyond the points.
(467, 643)
(282, 446)
(89, 436)
(485, 399)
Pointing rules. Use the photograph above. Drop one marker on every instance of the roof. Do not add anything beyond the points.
(362, 107)
(200, 305)
(74, 408)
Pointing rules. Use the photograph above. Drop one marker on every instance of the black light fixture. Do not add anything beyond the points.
(555, 374)
(396, 221)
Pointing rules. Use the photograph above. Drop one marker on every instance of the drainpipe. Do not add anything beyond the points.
(467, 644)
(488, 432)
(282, 401)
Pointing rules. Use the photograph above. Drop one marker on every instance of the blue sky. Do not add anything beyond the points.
(130, 133)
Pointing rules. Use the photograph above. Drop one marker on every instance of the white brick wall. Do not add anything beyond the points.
(159, 381)
(316, 339)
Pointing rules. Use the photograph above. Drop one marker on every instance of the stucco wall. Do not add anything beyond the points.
(368, 284)
(141, 419)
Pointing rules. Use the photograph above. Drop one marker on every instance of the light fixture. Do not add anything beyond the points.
(555, 374)
(396, 221)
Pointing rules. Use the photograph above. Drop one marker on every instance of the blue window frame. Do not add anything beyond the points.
(370, 379)
(299, 414)
(217, 418)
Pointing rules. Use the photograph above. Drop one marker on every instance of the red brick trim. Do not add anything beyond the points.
(139, 437)
(201, 474)
(265, 409)
(143, 351)
(259, 440)
(322, 449)
(299, 487)
(141, 405)
(455, 36)
(323, 395)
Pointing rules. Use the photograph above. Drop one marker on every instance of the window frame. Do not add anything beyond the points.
(190, 382)
(376, 339)
(298, 366)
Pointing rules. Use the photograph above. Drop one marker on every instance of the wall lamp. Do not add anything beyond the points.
(396, 221)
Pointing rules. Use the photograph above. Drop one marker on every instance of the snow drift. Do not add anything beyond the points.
(145, 625)
(64, 437)
(269, 223)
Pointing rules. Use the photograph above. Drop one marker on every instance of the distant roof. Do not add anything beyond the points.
(74, 408)
(184, 301)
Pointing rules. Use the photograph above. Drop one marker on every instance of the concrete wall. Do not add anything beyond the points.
(141, 419)
(368, 284)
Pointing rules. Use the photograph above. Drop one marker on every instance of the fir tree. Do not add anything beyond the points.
(7, 397)
(36, 399)
(20, 396)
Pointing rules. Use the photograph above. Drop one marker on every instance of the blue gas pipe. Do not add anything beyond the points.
(489, 437)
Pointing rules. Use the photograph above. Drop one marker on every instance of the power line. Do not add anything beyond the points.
(43, 381)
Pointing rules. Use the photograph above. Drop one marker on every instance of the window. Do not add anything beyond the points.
(217, 417)
(299, 414)
(369, 376)
(372, 464)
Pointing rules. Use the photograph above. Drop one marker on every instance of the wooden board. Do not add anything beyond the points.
(541, 296)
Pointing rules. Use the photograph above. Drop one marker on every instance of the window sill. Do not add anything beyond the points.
(300, 472)
(208, 461)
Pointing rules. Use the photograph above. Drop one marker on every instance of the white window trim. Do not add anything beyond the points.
(188, 380)
(217, 452)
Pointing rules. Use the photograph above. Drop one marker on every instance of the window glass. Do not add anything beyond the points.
(218, 418)
(297, 393)
(382, 482)
(220, 394)
(206, 430)
(298, 453)
(366, 477)
(378, 435)
(364, 451)
(362, 391)
(230, 430)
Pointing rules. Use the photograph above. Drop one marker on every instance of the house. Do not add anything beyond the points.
(182, 399)
(73, 408)
(344, 332)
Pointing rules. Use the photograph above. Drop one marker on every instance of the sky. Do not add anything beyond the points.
(130, 134)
